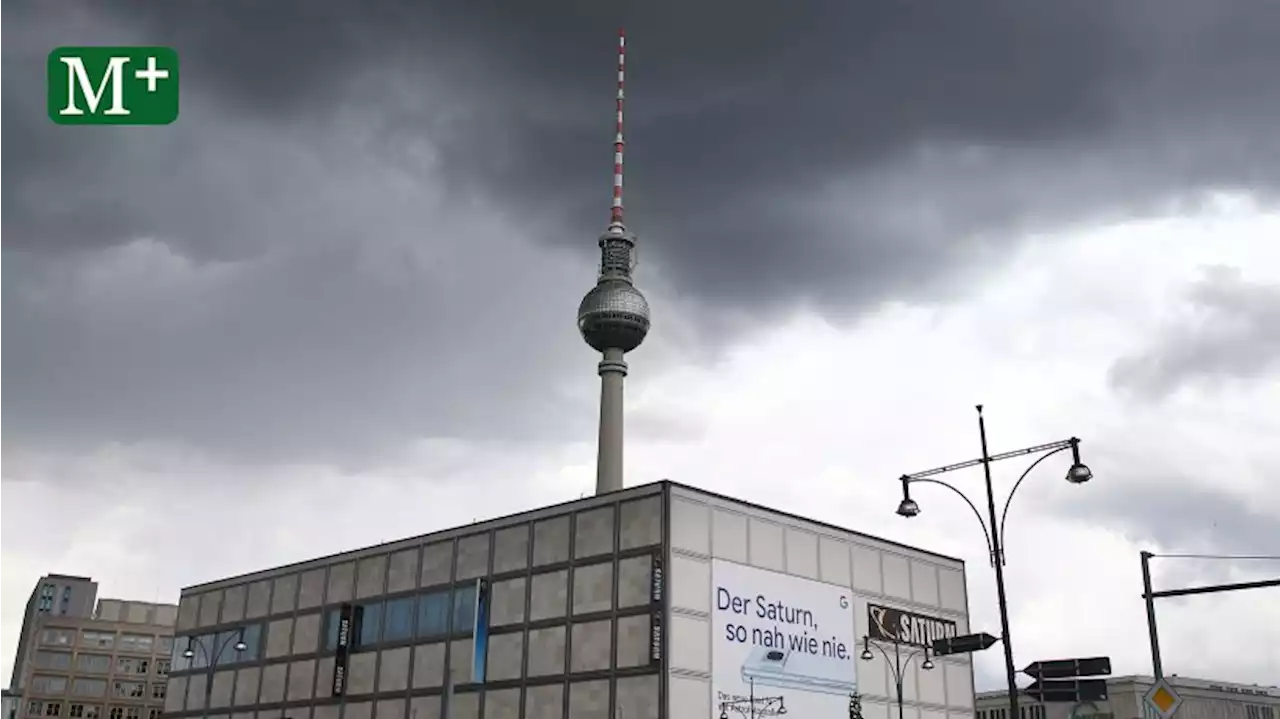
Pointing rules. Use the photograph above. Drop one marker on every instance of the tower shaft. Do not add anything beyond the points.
(609, 451)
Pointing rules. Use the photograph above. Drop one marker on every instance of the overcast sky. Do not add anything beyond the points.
(344, 281)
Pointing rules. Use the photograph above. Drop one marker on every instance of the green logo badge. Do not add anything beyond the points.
(113, 85)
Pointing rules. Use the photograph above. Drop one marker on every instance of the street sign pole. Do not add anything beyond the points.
(1156, 668)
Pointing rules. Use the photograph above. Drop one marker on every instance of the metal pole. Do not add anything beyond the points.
(1156, 667)
(751, 694)
(447, 698)
(997, 555)
(897, 666)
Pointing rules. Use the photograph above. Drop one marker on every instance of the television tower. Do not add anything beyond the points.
(614, 317)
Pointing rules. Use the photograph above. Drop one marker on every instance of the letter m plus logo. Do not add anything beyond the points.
(113, 85)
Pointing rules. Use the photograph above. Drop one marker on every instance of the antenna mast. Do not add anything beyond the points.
(615, 215)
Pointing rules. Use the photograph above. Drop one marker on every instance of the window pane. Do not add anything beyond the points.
(331, 630)
(89, 687)
(93, 663)
(464, 609)
(399, 620)
(225, 644)
(53, 660)
(203, 647)
(433, 614)
(253, 643)
(368, 624)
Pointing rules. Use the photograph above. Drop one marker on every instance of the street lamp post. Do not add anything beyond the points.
(211, 659)
(855, 706)
(994, 533)
(748, 707)
(898, 667)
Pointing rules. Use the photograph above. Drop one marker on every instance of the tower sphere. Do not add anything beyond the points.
(613, 316)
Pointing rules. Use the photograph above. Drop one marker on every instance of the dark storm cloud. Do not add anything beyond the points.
(820, 151)
(742, 111)
(1231, 330)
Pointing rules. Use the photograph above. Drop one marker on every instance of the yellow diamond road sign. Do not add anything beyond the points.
(1163, 698)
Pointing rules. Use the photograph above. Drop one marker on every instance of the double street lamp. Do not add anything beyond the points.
(212, 656)
(898, 667)
(994, 531)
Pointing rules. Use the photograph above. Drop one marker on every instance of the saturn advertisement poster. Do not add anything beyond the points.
(788, 641)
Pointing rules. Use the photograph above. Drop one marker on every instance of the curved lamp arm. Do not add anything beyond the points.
(895, 667)
(1014, 491)
(210, 658)
(866, 644)
(985, 534)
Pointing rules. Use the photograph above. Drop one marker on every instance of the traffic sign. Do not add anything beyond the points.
(1163, 699)
(1068, 668)
(1068, 690)
(963, 644)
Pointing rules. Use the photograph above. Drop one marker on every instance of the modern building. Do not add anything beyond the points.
(82, 660)
(1201, 699)
(654, 602)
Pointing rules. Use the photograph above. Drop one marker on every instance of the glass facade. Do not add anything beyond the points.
(565, 626)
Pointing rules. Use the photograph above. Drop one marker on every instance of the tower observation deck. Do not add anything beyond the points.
(614, 316)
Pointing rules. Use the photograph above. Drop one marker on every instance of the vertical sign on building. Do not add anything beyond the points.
(656, 579)
(657, 587)
(480, 635)
(345, 622)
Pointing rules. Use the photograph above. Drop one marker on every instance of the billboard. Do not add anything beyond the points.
(887, 624)
(780, 637)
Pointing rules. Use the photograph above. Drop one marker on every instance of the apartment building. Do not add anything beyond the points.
(63, 595)
(11, 701)
(108, 663)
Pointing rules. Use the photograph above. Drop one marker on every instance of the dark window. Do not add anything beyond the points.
(464, 608)
(368, 624)
(398, 620)
(433, 614)
(331, 630)
(226, 646)
(252, 642)
(202, 648)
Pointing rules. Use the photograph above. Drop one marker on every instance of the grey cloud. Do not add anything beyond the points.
(735, 123)
(824, 155)
(1230, 331)
(1184, 517)
(332, 353)
(738, 125)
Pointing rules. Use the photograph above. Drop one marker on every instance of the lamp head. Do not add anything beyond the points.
(866, 655)
(1079, 473)
(240, 646)
(908, 508)
(927, 664)
(188, 653)
(782, 708)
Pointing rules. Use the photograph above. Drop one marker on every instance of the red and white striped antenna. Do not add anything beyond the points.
(615, 215)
